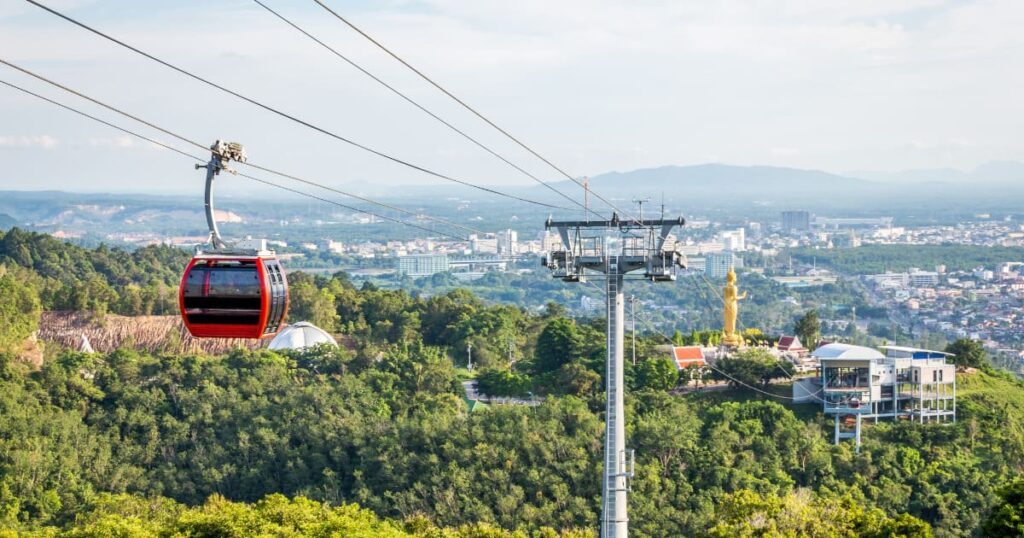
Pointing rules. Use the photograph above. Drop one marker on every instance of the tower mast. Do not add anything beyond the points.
(610, 250)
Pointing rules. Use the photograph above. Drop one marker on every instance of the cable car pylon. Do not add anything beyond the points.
(232, 289)
(610, 250)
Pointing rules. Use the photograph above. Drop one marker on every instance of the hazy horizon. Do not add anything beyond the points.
(927, 84)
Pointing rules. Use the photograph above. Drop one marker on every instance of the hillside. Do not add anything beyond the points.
(395, 437)
(149, 333)
(215, 441)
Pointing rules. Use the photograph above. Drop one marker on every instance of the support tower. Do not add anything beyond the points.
(610, 250)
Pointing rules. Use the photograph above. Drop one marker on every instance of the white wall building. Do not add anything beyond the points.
(734, 240)
(506, 242)
(717, 264)
(861, 382)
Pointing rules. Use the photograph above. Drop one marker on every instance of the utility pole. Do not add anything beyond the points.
(610, 250)
(469, 356)
(640, 202)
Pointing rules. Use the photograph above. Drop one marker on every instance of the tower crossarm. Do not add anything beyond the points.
(635, 244)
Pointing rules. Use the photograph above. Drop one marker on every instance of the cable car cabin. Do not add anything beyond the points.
(225, 296)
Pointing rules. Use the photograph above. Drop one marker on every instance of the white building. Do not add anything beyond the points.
(423, 264)
(717, 264)
(549, 241)
(861, 382)
(734, 240)
(300, 336)
(923, 279)
(506, 242)
(486, 244)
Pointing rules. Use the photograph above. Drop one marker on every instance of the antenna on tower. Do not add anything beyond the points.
(641, 202)
(586, 198)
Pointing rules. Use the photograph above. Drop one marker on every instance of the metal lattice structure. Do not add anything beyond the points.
(610, 250)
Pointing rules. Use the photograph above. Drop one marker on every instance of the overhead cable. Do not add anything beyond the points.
(422, 108)
(253, 165)
(288, 116)
(466, 106)
(201, 160)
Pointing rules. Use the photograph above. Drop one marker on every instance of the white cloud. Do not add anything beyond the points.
(123, 141)
(837, 85)
(28, 141)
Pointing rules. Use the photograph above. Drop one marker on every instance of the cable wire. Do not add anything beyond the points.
(467, 107)
(422, 108)
(253, 165)
(201, 160)
(290, 117)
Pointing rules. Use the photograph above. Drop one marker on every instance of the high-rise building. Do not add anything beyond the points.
(549, 241)
(717, 264)
(507, 240)
(796, 221)
(423, 264)
(488, 244)
(734, 240)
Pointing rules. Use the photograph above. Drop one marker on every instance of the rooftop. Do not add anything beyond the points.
(846, 351)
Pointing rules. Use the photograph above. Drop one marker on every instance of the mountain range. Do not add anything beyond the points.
(727, 183)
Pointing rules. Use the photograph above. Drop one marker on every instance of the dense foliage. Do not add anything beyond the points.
(256, 441)
(391, 433)
(871, 259)
(19, 311)
(100, 280)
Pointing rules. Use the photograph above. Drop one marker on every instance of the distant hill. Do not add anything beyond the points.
(994, 184)
(723, 176)
(723, 181)
(7, 222)
(991, 173)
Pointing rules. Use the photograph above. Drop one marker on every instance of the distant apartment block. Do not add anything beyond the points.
(861, 383)
(483, 244)
(915, 278)
(734, 240)
(549, 241)
(423, 264)
(717, 264)
(507, 242)
(855, 222)
(796, 221)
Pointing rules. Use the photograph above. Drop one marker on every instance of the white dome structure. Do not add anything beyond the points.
(301, 335)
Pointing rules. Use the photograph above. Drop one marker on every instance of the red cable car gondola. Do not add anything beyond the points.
(232, 291)
(227, 296)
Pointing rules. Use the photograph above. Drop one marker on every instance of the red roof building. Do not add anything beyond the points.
(687, 356)
(791, 343)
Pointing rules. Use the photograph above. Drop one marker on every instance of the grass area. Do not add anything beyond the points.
(985, 394)
(783, 391)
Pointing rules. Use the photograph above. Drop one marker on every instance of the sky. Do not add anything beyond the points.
(594, 86)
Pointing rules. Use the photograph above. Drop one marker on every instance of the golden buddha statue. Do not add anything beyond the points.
(732, 307)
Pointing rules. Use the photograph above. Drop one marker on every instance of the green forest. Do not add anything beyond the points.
(375, 438)
(873, 259)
